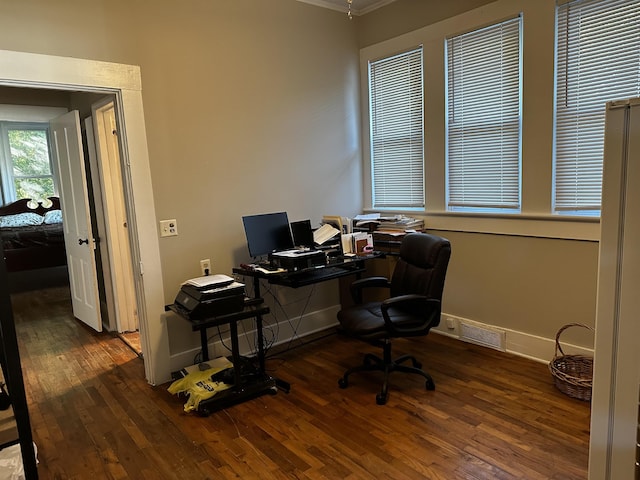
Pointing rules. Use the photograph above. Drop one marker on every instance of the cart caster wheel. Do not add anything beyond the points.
(381, 399)
(430, 385)
(342, 383)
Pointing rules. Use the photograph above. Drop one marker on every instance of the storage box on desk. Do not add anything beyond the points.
(205, 303)
(387, 240)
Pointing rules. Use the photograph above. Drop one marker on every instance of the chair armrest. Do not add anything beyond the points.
(430, 306)
(370, 282)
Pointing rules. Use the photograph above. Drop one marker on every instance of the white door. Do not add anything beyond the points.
(119, 263)
(78, 237)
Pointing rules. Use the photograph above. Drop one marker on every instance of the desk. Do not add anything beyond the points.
(242, 389)
(339, 268)
(336, 268)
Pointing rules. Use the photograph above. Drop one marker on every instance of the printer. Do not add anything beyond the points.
(298, 259)
(210, 296)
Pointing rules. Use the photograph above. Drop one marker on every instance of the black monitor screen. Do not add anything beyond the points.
(302, 233)
(267, 233)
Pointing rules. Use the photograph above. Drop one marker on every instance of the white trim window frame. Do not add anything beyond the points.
(597, 60)
(484, 119)
(396, 106)
(11, 173)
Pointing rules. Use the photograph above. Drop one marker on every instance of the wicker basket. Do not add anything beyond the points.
(572, 374)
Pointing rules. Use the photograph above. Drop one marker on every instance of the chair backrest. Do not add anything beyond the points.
(422, 266)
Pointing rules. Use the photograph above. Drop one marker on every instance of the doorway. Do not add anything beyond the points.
(88, 185)
(123, 81)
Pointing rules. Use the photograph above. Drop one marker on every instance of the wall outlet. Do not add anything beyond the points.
(168, 228)
(451, 323)
(205, 267)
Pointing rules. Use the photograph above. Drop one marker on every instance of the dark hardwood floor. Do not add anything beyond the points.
(492, 415)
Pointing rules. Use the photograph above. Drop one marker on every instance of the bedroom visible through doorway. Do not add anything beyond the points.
(40, 281)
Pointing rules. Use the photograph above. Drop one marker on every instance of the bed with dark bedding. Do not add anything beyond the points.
(32, 235)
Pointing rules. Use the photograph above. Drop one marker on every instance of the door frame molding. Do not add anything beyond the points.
(38, 71)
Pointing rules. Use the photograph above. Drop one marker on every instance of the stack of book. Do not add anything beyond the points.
(397, 223)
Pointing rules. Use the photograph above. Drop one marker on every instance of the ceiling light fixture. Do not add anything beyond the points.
(349, 2)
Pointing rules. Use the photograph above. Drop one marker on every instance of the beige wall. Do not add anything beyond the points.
(404, 16)
(250, 107)
(527, 284)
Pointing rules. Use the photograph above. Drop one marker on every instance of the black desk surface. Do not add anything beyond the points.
(336, 268)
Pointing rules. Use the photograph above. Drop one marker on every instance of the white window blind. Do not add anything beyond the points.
(397, 146)
(483, 119)
(598, 59)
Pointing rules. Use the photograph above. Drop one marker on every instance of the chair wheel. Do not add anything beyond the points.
(342, 383)
(381, 399)
(430, 385)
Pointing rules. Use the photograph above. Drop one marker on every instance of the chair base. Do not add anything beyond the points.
(387, 365)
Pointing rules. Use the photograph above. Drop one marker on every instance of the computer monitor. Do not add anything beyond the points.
(267, 233)
(302, 233)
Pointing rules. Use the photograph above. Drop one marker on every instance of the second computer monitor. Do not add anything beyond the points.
(302, 233)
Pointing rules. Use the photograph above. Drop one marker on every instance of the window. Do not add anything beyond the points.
(597, 60)
(484, 118)
(396, 115)
(26, 161)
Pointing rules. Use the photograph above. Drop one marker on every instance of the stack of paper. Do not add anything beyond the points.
(210, 281)
(374, 221)
(357, 243)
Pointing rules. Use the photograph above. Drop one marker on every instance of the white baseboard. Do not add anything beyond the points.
(533, 347)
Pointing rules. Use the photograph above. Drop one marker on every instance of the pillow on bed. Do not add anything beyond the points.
(20, 220)
(53, 216)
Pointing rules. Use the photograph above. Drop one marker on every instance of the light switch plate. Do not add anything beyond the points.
(168, 228)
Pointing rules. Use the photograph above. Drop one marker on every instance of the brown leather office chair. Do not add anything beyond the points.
(411, 310)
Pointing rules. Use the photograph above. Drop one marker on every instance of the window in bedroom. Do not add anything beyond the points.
(483, 119)
(597, 60)
(396, 117)
(26, 161)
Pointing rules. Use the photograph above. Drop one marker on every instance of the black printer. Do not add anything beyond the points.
(210, 296)
(298, 259)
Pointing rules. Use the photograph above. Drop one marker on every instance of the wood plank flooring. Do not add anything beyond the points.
(492, 415)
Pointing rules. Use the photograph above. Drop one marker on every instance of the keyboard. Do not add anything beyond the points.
(309, 276)
(268, 267)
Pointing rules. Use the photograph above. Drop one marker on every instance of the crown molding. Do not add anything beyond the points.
(341, 5)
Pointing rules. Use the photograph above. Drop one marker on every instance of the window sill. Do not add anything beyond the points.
(523, 225)
(541, 226)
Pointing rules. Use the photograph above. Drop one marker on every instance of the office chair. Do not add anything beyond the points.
(411, 310)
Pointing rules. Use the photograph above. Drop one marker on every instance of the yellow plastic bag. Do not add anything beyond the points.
(198, 386)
